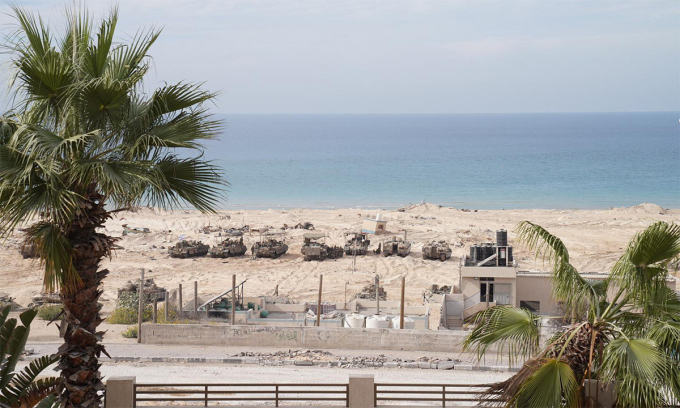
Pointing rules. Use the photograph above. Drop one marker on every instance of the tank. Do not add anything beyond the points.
(396, 246)
(473, 253)
(355, 321)
(357, 244)
(408, 322)
(269, 246)
(29, 250)
(188, 249)
(501, 238)
(437, 250)
(487, 250)
(228, 248)
(314, 249)
(377, 322)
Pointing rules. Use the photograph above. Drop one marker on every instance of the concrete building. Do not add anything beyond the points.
(375, 226)
(490, 277)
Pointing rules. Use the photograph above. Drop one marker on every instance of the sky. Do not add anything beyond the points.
(367, 56)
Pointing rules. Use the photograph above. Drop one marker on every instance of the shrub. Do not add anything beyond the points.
(130, 333)
(127, 309)
(49, 312)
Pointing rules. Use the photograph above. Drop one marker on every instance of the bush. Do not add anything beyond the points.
(49, 312)
(127, 309)
(130, 333)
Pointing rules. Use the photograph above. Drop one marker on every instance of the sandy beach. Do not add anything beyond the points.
(595, 238)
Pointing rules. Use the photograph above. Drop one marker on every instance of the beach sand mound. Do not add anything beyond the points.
(644, 208)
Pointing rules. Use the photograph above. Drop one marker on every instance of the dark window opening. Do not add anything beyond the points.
(532, 305)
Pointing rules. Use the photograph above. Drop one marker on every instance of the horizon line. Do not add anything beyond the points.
(442, 113)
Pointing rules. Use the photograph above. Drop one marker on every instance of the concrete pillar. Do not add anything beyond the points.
(606, 394)
(361, 391)
(120, 392)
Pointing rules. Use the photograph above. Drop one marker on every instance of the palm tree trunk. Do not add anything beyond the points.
(79, 362)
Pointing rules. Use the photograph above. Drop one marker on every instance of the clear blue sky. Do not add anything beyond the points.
(364, 56)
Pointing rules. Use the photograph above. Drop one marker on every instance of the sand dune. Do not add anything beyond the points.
(596, 238)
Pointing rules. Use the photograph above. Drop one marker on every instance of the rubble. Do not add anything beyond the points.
(368, 292)
(328, 359)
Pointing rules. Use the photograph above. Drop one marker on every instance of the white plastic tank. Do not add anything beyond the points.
(408, 322)
(355, 321)
(378, 217)
(377, 322)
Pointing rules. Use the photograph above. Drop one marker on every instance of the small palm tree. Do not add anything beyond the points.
(21, 389)
(630, 339)
(84, 141)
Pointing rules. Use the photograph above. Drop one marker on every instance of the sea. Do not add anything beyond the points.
(472, 161)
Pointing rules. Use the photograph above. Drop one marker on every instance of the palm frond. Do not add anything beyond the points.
(517, 330)
(552, 385)
(569, 287)
(640, 369)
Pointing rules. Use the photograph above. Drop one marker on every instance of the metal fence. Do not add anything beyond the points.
(434, 394)
(204, 394)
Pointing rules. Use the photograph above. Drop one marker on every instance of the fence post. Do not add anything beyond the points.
(120, 392)
(361, 391)
(155, 310)
(276, 398)
(206, 395)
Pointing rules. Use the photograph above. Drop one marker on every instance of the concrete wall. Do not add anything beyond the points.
(286, 308)
(537, 288)
(488, 272)
(303, 337)
(470, 287)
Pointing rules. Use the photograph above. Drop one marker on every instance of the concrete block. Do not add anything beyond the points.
(304, 363)
(250, 360)
(231, 360)
(120, 392)
(391, 364)
(409, 365)
(361, 391)
(424, 364)
(465, 367)
(445, 365)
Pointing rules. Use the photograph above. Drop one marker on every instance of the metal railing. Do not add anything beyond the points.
(279, 394)
(472, 300)
(432, 393)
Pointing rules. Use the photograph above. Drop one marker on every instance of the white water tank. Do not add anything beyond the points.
(355, 321)
(408, 322)
(377, 322)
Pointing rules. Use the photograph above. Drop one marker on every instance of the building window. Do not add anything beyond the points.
(532, 305)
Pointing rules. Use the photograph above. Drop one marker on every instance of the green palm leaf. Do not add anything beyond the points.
(553, 385)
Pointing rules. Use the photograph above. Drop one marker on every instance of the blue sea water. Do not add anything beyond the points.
(480, 161)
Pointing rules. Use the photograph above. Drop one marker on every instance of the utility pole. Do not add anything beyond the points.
(196, 300)
(233, 299)
(181, 306)
(140, 312)
(401, 312)
(377, 294)
(318, 303)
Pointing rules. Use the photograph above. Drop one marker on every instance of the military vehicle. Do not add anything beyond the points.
(396, 246)
(437, 250)
(315, 248)
(188, 249)
(150, 289)
(230, 246)
(269, 246)
(357, 244)
(29, 250)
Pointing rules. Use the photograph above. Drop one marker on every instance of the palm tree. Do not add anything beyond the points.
(630, 339)
(84, 141)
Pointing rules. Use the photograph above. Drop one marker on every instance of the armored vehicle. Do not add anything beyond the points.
(396, 246)
(357, 244)
(232, 246)
(316, 249)
(269, 246)
(188, 249)
(29, 250)
(437, 250)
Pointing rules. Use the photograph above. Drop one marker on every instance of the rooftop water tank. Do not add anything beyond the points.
(377, 322)
(355, 321)
(501, 238)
